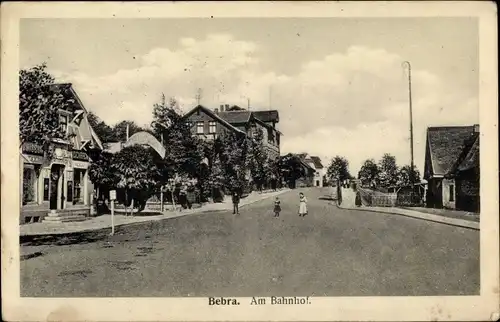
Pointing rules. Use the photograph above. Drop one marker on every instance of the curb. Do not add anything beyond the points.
(29, 256)
(450, 221)
(98, 229)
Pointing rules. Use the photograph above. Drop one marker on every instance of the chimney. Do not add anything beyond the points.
(227, 107)
(216, 110)
(222, 107)
(476, 128)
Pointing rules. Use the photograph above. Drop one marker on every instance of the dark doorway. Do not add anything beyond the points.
(55, 174)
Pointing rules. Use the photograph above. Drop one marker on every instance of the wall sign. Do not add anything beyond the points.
(35, 159)
(80, 155)
(80, 165)
(32, 148)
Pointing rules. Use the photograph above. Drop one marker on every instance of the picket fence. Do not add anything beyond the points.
(376, 198)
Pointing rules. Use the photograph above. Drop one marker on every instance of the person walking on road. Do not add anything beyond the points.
(236, 202)
(302, 205)
(277, 207)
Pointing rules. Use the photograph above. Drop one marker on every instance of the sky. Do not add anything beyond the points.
(338, 83)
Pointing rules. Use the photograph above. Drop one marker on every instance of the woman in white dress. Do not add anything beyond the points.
(302, 205)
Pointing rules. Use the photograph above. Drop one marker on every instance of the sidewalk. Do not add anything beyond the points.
(348, 197)
(104, 221)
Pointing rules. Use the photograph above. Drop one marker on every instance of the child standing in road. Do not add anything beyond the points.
(277, 207)
(302, 205)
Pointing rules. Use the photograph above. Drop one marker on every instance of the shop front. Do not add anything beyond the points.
(57, 187)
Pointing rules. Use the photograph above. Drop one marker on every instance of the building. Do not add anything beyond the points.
(466, 173)
(58, 188)
(209, 124)
(451, 157)
(314, 162)
(307, 180)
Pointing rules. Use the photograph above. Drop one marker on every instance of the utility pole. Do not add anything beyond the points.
(248, 104)
(408, 65)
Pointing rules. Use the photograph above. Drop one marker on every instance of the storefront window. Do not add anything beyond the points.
(78, 186)
(29, 184)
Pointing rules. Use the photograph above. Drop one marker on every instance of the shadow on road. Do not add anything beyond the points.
(64, 239)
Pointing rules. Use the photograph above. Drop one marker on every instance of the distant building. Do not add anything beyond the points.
(58, 189)
(209, 124)
(314, 162)
(452, 167)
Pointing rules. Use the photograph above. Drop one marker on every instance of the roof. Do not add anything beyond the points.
(469, 158)
(80, 127)
(445, 145)
(213, 115)
(267, 116)
(317, 162)
(235, 117)
(472, 158)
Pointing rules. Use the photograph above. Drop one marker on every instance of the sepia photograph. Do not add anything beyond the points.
(274, 161)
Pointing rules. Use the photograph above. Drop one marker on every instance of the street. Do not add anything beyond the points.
(330, 252)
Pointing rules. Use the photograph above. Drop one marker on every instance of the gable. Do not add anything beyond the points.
(317, 162)
(201, 113)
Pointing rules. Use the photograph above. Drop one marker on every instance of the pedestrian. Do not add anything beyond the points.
(302, 205)
(277, 207)
(236, 202)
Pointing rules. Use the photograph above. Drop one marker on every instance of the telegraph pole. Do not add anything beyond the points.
(408, 65)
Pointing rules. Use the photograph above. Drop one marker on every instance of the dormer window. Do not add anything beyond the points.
(63, 123)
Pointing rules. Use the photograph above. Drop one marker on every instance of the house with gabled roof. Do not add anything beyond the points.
(57, 188)
(447, 149)
(209, 124)
(466, 173)
(314, 162)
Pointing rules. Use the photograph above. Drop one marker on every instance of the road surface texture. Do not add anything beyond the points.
(330, 252)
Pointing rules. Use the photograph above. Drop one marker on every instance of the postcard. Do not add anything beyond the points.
(250, 161)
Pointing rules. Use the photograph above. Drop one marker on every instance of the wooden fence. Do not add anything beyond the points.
(376, 198)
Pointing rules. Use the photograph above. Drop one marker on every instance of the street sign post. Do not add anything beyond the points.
(112, 198)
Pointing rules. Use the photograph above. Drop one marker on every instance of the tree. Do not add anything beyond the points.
(291, 168)
(368, 174)
(388, 171)
(234, 152)
(103, 130)
(184, 152)
(135, 168)
(100, 171)
(403, 177)
(338, 170)
(257, 161)
(120, 130)
(39, 105)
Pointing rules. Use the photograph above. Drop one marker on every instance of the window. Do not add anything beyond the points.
(79, 182)
(188, 124)
(29, 185)
(46, 187)
(212, 127)
(452, 192)
(200, 128)
(63, 122)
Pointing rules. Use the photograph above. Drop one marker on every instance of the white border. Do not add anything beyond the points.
(470, 308)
